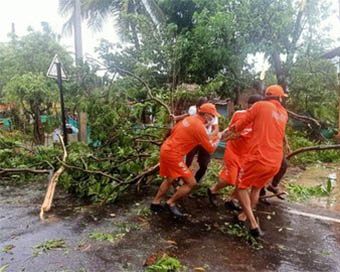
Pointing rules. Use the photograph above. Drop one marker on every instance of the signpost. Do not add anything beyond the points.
(56, 71)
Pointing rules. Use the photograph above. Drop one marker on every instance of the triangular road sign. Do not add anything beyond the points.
(52, 70)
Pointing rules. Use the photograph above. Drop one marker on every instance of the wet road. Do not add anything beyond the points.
(291, 243)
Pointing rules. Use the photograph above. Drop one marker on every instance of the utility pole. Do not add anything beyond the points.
(56, 71)
(60, 85)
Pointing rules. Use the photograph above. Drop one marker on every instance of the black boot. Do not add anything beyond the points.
(231, 205)
(156, 207)
(212, 198)
(257, 232)
(174, 210)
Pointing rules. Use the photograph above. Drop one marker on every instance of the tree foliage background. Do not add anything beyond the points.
(166, 46)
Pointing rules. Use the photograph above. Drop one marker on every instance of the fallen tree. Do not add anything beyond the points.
(123, 152)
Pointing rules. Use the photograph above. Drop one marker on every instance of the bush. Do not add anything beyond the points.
(14, 153)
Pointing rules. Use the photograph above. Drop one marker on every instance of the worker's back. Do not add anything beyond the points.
(269, 120)
(187, 134)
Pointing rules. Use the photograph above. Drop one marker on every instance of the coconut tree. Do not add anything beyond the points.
(73, 24)
(95, 12)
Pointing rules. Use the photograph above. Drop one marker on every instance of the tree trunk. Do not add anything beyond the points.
(283, 73)
(78, 44)
(280, 74)
(18, 123)
(38, 131)
(135, 36)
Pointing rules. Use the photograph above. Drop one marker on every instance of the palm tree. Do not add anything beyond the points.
(73, 24)
(95, 12)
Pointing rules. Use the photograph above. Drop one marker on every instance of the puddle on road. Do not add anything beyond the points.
(320, 175)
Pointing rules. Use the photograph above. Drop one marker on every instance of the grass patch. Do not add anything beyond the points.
(123, 228)
(146, 212)
(126, 227)
(165, 264)
(302, 193)
(102, 236)
(243, 233)
(7, 248)
(49, 245)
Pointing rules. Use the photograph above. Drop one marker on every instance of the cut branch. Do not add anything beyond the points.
(46, 205)
(312, 148)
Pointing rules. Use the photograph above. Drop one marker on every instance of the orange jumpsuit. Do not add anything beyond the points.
(186, 134)
(235, 151)
(265, 155)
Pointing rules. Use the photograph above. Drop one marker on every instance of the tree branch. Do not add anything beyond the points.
(23, 170)
(159, 143)
(146, 173)
(146, 86)
(139, 79)
(304, 118)
(94, 172)
(136, 179)
(312, 148)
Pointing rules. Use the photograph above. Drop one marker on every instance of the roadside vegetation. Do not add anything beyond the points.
(169, 56)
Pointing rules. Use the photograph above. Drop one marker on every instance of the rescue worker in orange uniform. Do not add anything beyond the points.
(265, 154)
(203, 157)
(186, 134)
(235, 151)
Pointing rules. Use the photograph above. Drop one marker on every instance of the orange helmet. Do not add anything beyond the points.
(209, 108)
(275, 90)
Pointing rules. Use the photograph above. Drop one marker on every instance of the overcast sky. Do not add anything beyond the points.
(24, 13)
